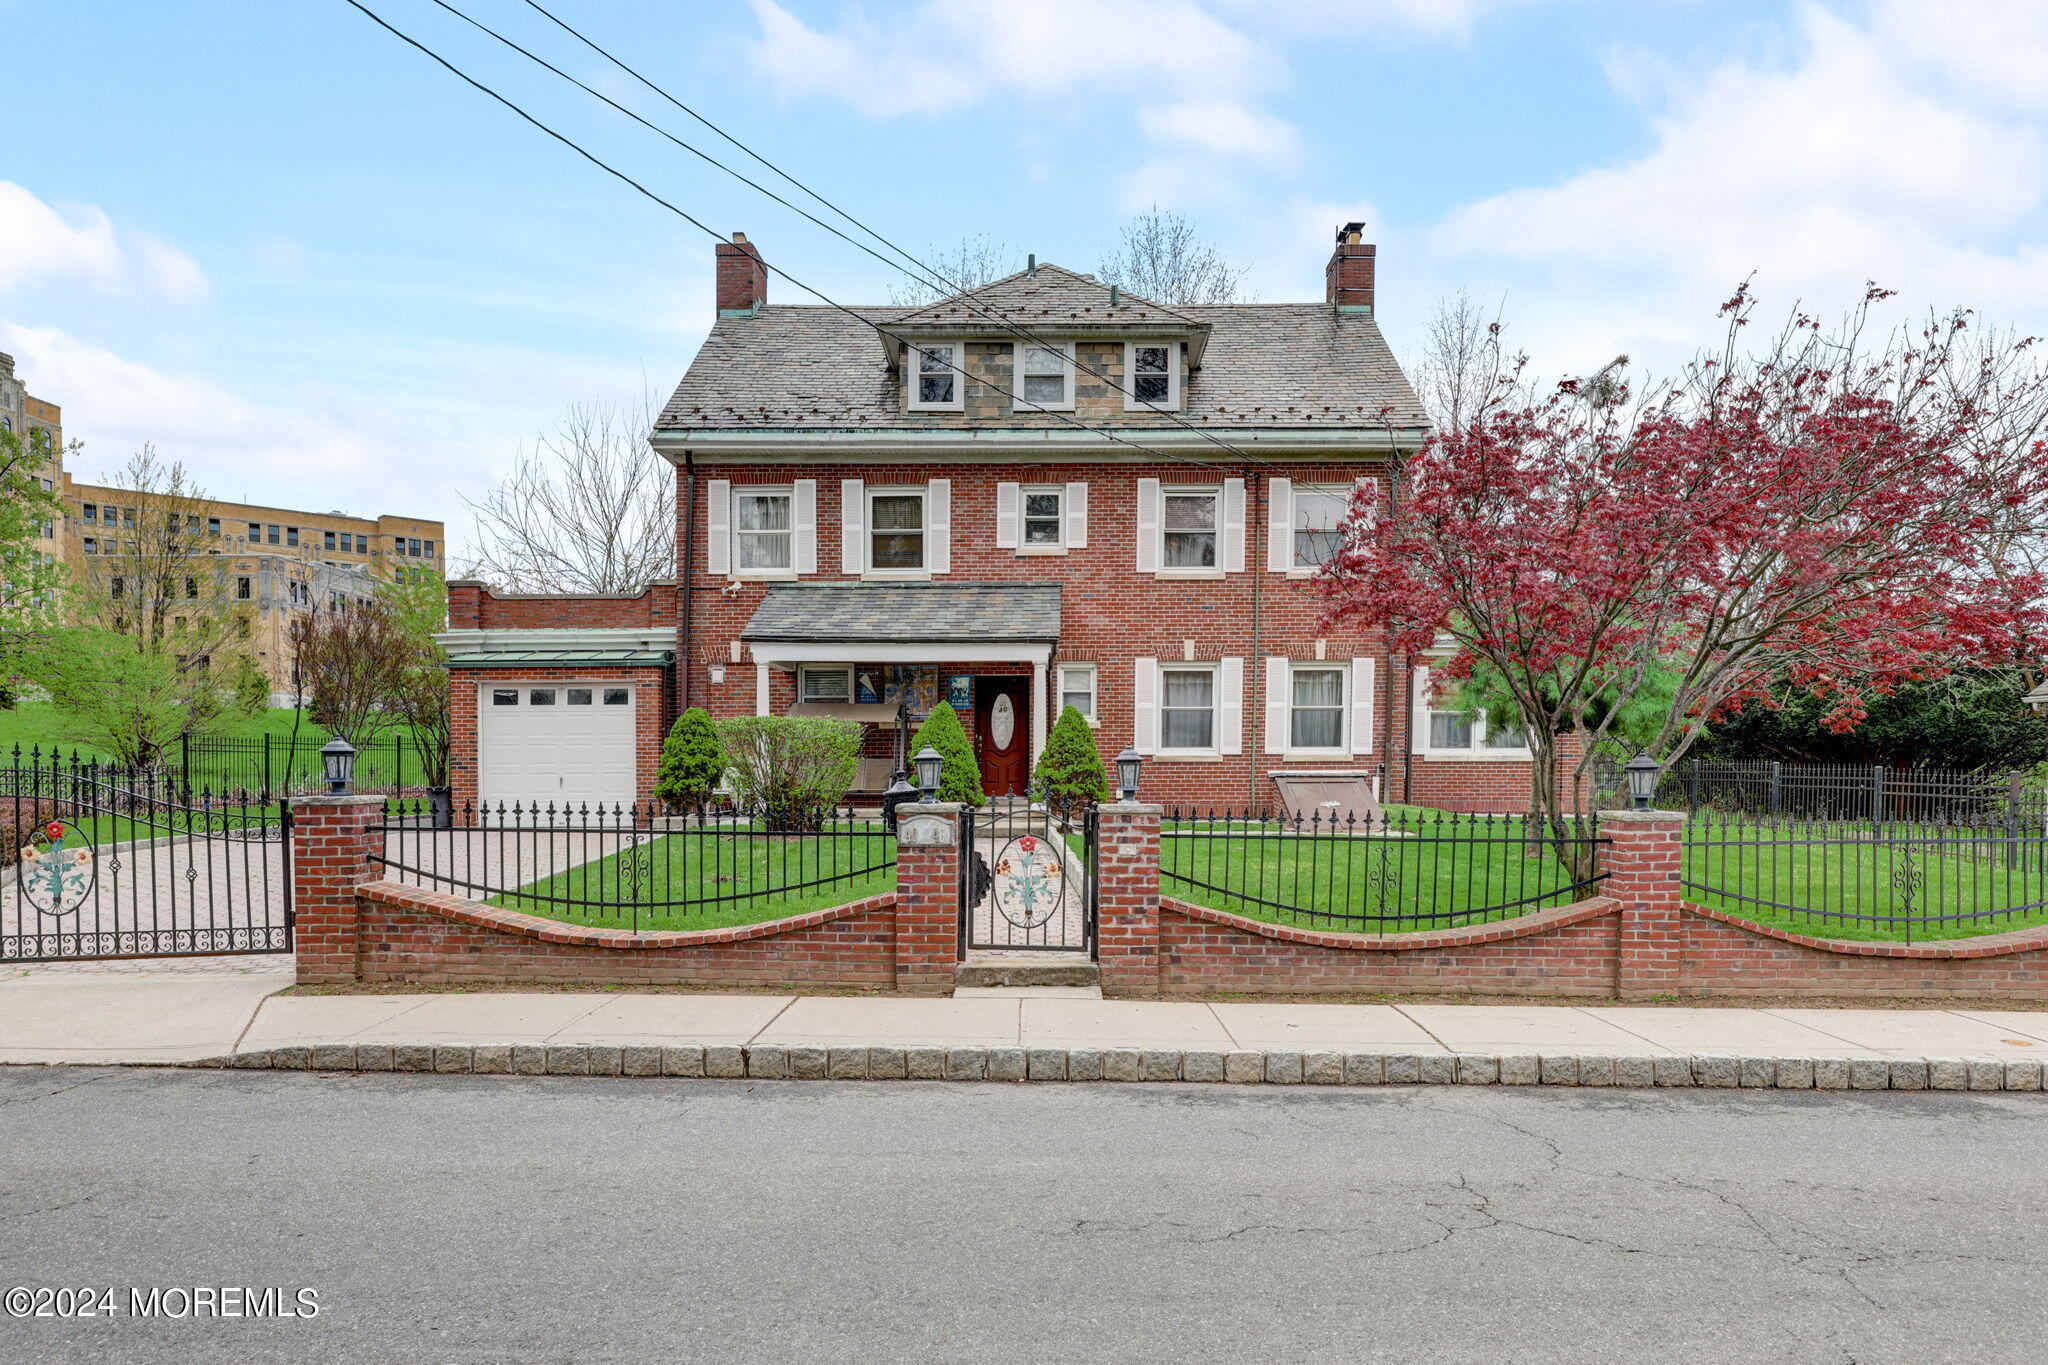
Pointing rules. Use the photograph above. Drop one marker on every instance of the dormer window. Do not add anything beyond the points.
(1045, 376)
(935, 379)
(1152, 372)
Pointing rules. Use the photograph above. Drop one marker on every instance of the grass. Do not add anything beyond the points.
(716, 879)
(1818, 888)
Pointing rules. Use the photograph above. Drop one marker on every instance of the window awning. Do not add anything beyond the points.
(904, 622)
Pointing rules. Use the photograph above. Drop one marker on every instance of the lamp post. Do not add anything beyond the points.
(338, 764)
(1642, 779)
(1127, 764)
(929, 763)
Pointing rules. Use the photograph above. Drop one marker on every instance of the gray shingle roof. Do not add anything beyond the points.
(1046, 296)
(1266, 366)
(878, 613)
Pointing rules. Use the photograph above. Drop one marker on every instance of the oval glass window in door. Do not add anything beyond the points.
(1002, 722)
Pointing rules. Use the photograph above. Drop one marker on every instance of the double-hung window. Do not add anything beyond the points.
(1045, 376)
(1315, 718)
(1042, 516)
(762, 531)
(935, 379)
(1318, 524)
(833, 684)
(896, 529)
(1077, 689)
(1152, 375)
(1188, 523)
(1465, 732)
(1187, 708)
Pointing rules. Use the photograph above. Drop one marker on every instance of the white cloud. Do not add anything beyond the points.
(1423, 18)
(45, 245)
(1222, 127)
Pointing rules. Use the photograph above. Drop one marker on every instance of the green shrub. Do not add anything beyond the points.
(960, 778)
(692, 761)
(792, 769)
(1070, 772)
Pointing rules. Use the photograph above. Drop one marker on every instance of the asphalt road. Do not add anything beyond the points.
(497, 1219)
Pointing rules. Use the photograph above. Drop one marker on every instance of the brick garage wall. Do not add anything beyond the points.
(407, 934)
(1721, 955)
(651, 717)
(1570, 951)
(473, 606)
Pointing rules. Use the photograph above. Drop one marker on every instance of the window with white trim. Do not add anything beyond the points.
(935, 381)
(1043, 517)
(1187, 708)
(1317, 703)
(1044, 375)
(1152, 375)
(1318, 524)
(896, 529)
(833, 684)
(1077, 689)
(1188, 529)
(1448, 731)
(763, 530)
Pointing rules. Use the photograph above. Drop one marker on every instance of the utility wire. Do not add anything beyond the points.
(712, 232)
(917, 269)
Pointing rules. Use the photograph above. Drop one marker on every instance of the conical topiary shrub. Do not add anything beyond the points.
(1070, 773)
(692, 761)
(960, 778)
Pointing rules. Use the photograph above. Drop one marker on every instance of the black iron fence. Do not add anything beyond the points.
(1880, 879)
(1400, 872)
(288, 764)
(637, 867)
(1841, 791)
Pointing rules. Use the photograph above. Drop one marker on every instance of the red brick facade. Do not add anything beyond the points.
(473, 606)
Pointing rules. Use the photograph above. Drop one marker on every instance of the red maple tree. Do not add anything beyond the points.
(1838, 517)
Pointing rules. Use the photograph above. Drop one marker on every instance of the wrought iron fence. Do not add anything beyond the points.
(285, 763)
(1841, 791)
(1886, 879)
(637, 867)
(1393, 873)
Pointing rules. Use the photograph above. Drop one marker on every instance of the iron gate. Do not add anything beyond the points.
(109, 864)
(1027, 877)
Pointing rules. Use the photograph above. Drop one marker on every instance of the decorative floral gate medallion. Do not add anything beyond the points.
(56, 871)
(1030, 881)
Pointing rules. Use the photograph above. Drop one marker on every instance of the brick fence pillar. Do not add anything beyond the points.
(1641, 859)
(927, 897)
(1127, 897)
(331, 847)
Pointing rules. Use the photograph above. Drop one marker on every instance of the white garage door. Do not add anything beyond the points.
(559, 743)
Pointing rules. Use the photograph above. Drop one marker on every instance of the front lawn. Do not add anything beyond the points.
(716, 878)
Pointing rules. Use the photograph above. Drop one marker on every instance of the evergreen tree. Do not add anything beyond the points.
(960, 778)
(1070, 772)
(692, 760)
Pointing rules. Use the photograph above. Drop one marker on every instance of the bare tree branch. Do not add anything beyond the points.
(1160, 258)
(975, 261)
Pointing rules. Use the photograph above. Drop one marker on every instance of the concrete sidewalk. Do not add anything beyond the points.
(231, 1020)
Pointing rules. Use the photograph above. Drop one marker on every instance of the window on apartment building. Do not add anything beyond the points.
(291, 535)
(1077, 689)
(88, 511)
(128, 518)
(896, 530)
(213, 526)
(1042, 520)
(88, 545)
(192, 524)
(935, 380)
(255, 533)
(1153, 374)
(762, 530)
(412, 548)
(242, 589)
(429, 547)
(1187, 708)
(270, 533)
(1316, 708)
(110, 515)
(192, 587)
(1045, 376)
(1189, 529)
(1318, 524)
(114, 587)
(832, 684)
(327, 540)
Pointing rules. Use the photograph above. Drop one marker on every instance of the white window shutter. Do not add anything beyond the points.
(1145, 706)
(804, 521)
(1418, 704)
(1280, 525)
(1009, 504)
(853, 531)
(1076, 508)
(1148, 525)
(1230, 707)
(1277, 682)
(718, 526)
(938, 526)
(1233, 526)
(1361, 706)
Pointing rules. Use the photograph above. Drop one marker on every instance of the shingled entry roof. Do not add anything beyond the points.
(882, 613)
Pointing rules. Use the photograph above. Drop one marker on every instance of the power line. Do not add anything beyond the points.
(709, 231)
(917, 269)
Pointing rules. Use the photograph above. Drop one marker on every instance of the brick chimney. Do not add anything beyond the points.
(742, 279)
(1347, 280)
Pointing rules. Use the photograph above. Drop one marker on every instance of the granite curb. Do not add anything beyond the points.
(1364, 1067)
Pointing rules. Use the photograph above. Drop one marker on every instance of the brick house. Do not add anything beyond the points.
(1036, 494)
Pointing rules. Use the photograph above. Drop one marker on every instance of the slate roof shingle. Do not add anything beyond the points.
(879, 613)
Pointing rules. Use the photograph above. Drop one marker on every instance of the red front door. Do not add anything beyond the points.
(1002, 728)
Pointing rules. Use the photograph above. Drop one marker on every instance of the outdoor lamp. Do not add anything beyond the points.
(338, 762)
(928, 761)
(1642, 779)
(1127, 764)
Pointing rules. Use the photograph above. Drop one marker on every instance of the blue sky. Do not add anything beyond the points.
(294, 254)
